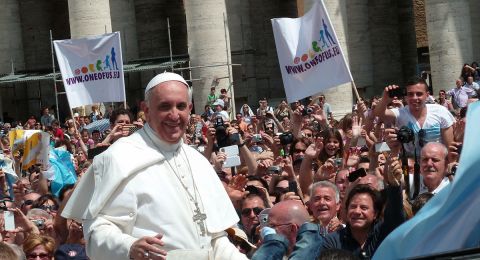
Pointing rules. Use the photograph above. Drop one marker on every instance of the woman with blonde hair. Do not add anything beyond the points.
(39, 246)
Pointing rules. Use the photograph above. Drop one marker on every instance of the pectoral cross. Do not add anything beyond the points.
(199, 218)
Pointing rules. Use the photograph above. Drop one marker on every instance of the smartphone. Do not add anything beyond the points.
(232, 161)
(9, 220)
(229, 151)
(292, 187)
(382, 147)
(398, 92)
(353, 176)
(361, 141)
(129, 129)
(275, 169)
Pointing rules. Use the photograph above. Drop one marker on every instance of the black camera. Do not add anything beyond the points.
(252, 189)
(286, 138)
(222, 136)
(405, 135)
(307, 111)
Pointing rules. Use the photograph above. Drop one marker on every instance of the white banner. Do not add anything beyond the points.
(92, 69)
(310, 56)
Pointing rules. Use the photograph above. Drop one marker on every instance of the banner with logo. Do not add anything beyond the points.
(311, 59)
(92, 69)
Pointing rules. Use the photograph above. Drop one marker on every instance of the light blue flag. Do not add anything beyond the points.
(451, 219)
(62, 165)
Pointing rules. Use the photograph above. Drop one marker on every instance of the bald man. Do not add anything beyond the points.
(289, 233)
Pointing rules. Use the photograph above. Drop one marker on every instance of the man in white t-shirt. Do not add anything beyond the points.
(429, 122)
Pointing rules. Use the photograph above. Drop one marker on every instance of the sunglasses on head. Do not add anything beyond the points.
(247, 211)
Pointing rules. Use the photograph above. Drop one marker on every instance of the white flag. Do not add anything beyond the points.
(92, 69)
(310, 56)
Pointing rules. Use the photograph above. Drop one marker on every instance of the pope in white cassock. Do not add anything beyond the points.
(150, 196)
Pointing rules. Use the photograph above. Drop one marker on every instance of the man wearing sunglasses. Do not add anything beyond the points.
(252, 205)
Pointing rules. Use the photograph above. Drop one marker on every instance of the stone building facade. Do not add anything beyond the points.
(386, 41)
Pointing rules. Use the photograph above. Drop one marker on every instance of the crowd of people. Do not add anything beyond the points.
(266, 183)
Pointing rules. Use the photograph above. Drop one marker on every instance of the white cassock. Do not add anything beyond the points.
(134, 190)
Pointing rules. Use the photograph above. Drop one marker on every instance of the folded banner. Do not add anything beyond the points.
(451, 219)
(310, 56)
(33, 143)
(92, 69)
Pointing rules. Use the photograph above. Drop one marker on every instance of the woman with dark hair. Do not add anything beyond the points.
(39, 246)
(48, 203)
(365, 228)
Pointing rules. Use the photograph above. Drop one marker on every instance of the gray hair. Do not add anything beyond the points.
(439, 145)
(326, 184)
(149, 93)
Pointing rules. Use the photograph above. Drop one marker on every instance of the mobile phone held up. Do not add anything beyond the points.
(353, 176)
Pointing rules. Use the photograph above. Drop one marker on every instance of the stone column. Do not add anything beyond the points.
(359, 45)
(11, 46)
(386, 53)
(341, 97)
(241, 49)
(408, 41)
(207, 45)
(122, 13)
(449, 40)
(89, 17)
(475, 25)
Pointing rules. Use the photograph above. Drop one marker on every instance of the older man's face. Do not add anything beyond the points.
(168, 110)
(433, 166)
(323, 204)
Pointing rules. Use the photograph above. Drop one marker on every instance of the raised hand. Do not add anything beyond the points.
(314, 149)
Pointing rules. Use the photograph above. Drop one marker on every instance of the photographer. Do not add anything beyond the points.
(219, 135)
(429, 122)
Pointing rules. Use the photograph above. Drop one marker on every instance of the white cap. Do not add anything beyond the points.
(164, 77)
(219, 102)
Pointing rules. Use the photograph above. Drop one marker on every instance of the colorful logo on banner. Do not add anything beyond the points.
(321, 50)
(103, 68)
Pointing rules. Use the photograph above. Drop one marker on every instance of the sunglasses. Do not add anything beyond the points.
(49, 207)
(34, 256)
(248, 211)
(27, 202)
(299, 150)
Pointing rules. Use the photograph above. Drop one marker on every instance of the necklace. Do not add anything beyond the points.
(199, 217)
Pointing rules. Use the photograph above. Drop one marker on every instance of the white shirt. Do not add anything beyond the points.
(438, 118)
(131, 191)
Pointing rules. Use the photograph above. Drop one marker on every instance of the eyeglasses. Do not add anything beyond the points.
(277, 225)
(35, 256)
(49, 207)
(299, 150)
(27, 202)
(248, 211)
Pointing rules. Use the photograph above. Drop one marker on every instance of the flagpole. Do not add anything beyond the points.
(354, 87)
